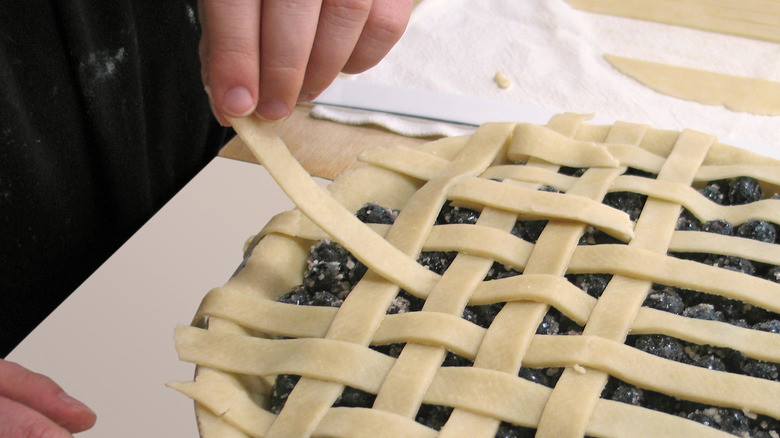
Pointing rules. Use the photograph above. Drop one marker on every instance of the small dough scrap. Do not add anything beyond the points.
(502, 80)
(737, 93)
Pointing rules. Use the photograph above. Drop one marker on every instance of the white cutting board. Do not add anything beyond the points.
(111, 343)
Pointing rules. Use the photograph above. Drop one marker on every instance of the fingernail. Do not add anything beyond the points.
(273, 110)
(238, 102)
(304, 97)
(75, 403)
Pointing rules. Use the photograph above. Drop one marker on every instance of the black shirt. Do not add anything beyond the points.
(103, 118)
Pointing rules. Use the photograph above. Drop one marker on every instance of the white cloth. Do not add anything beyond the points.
(408, 126)
(553, 54)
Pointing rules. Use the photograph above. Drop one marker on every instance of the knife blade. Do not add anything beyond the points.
(429, 104)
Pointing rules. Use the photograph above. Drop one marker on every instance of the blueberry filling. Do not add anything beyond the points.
(627, 202)
(373, 213)
(332, 269)
(706, 356)
(594, 236)
(436, 261)
(719, 226)
(433, 416)
(694, 304)
(593, 284)
(451, 214)
(688, 222)
(762, 231)
(744, 190)
(733, 421)
(332, 272)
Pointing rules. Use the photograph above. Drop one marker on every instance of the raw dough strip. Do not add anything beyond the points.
(409, 161)
(567, 412)
(335, 361)
(711, 243)
(701, 207)
(492, 394)
(407, 382)
(750, 342)
(233, 405)
(510, 333)
(463, 338)
(737, 93)
(765, 174)
(546, 144)
(687, 382)
(754, 19)
(534, 204)
(318, 205)
(686, 274)
(368, 301)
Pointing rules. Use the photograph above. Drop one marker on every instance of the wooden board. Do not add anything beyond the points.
(325, 149)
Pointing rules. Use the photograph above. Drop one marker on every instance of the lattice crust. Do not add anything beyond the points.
(252, 338)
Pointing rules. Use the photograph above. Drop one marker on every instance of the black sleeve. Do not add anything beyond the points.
(103, 119)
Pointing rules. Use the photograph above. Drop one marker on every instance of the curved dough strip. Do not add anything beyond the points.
(701, 207)
(319, 206)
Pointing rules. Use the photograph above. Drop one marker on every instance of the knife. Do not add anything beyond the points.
(428, 104)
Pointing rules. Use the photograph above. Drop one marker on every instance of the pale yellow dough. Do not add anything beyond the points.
(759, 19)
(737, 93)
(242, 338)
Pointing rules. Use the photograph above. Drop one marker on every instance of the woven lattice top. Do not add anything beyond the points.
(615, 337)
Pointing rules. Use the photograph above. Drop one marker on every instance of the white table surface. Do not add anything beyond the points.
(110, 344)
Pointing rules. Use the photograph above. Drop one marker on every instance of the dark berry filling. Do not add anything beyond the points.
(332, 272)
(451, 214)
(373, 213)
(593, 284)
(701, 305)
(433, 416)
(627, 202)
(706, 356)
(332, 269)
(733, 421)
(744, 190)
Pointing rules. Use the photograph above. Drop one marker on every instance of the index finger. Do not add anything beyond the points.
(41, 394)
(286, 39)
(231, 48)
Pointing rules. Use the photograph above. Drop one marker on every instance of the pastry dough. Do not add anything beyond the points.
(752, 95)
(759, 19)
(243, 338)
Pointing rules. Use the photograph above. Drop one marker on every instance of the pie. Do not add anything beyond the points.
(564, 280)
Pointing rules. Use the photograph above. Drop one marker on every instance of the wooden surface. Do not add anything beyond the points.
(325, 149)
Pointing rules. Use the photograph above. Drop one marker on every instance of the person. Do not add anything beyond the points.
(103, 118)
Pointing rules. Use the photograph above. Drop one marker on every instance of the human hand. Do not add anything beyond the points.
(266, 55)
(32, 406)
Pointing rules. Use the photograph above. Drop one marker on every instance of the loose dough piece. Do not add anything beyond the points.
(759, 19)
(752, 95)
(502, 80)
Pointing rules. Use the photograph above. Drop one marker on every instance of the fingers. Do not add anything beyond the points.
(266, 55)
(229, 53)
(19, 421)
(287, 36)
(386, 24)
(341, 23)
(36, 397)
